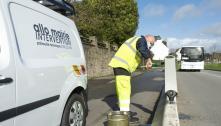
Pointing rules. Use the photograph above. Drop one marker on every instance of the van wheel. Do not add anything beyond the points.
(74, 112)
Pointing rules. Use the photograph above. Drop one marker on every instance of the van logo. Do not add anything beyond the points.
(51, 37)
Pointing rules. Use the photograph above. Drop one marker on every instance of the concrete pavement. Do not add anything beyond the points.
(145, 91)
(199, 99)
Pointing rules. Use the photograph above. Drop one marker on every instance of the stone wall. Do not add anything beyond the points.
(98, 55)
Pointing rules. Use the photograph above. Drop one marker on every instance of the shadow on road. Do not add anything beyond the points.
(105, 123)
(111, 101)
(142, 108)
(188, 70)
(105, 87)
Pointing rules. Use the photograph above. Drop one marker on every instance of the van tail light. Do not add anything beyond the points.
(83, 70)
(76, 70)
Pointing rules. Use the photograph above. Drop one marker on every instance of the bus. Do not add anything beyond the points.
(192, 58)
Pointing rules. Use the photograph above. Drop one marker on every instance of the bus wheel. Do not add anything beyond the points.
(75, 112)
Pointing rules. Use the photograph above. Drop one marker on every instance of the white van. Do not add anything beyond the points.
(43, 79)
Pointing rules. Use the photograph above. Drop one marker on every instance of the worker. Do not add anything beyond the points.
(125, 61)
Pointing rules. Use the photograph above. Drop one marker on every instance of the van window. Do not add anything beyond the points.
(40, 36)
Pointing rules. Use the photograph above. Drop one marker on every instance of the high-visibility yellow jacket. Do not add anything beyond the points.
(127, 56)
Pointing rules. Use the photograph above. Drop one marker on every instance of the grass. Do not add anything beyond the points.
(157, 63)
(216, 67)
(178, 65)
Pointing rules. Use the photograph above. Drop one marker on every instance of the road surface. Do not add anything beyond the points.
(199, 100)
(145, 91)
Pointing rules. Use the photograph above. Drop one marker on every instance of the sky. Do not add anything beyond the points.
(182, 22)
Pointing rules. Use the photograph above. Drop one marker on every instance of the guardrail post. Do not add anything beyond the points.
(170, 116)
(166, 113)
(170, 78)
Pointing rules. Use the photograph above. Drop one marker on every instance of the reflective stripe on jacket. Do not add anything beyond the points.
(127, 56)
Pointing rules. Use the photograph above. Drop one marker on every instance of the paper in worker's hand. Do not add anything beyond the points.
(159, 50)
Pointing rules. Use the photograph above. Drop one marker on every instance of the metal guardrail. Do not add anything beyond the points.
(166, 113)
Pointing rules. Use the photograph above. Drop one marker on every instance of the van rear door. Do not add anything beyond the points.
(7, 78)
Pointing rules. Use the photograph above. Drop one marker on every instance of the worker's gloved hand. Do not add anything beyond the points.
(149, 64)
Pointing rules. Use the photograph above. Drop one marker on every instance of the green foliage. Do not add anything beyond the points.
(109, 20)
(157, 63)
(213, 67)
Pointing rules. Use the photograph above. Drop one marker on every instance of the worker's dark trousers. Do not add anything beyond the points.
(123, 88)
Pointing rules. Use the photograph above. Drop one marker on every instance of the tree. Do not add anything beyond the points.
(109, 20)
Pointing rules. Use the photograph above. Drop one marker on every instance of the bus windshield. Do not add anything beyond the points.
(192, 53)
